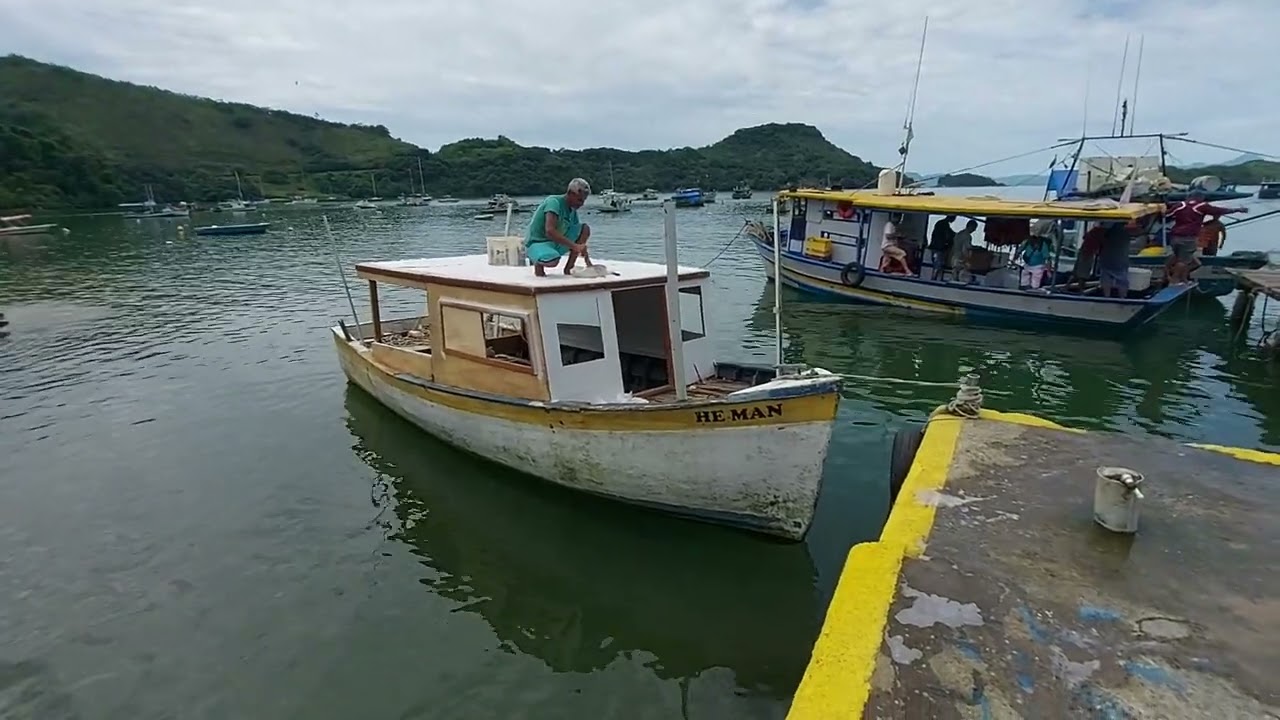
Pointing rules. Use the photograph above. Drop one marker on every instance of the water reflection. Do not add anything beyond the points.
(1180, 378)
(576, 581)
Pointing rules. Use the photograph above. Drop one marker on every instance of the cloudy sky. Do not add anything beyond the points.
(999, 77)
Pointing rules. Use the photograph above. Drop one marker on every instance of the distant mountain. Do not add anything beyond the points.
(1237, 160)
(71, 139)
(1032, 179)
(966, 180)
(1252, 172)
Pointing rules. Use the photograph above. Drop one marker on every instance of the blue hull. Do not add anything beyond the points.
(247, 229)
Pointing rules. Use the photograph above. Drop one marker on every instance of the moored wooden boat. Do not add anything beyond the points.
(831, 246)
(241, 229)
(576, 380)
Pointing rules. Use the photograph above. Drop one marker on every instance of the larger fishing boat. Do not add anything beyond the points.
(603, 383)
(831, 246)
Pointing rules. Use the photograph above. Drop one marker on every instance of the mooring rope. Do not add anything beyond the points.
(968, 400)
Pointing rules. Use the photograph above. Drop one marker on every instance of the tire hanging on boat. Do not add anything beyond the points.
(853, 274)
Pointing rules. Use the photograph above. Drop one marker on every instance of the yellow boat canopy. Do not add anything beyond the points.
(980, 206)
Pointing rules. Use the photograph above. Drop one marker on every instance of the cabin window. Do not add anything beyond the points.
(692, 320)
(580, 334)
(485, 334)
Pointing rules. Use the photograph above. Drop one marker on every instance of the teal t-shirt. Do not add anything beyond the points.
(567, 216)
(1035, 253)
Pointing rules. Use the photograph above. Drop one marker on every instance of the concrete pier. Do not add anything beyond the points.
(992, 593)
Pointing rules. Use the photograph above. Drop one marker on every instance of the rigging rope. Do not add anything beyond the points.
(1019, 156)
(1222, 147)
(732, 240)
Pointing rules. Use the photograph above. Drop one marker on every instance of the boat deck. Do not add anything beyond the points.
(703, 390)
(992, 593)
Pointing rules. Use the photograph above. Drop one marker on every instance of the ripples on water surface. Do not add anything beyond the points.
(198, 518)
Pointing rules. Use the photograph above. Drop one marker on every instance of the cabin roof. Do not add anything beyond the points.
(985, 206)
(475, 271)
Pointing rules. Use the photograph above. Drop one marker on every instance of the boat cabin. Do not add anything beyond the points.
(499, 329)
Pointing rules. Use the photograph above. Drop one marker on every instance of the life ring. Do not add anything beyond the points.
(859, 273)
(845, 210)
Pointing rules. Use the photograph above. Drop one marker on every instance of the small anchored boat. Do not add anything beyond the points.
(742, 191)
(603, 383)
(689, 197)
(16, 225)
(500, 202)
(241, 229)
(612, 201)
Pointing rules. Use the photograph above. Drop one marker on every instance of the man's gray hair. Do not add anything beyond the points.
(579, 185)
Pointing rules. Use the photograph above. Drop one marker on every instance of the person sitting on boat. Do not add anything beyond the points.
(554, 230)
(891, 252)
(1188, 217)
(940, 242)
(1113, 260)
(1213, 235)
(961, 246)
(1090, 245)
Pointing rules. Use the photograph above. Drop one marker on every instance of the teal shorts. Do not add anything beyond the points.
(547, 251)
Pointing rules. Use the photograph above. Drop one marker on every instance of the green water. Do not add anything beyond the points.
(200, 519)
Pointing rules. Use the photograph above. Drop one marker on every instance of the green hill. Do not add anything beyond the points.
(71, 139)
(1252, 172)
(962, 180)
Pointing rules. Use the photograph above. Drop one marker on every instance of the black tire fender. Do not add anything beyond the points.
(906, 442)
(853, 274)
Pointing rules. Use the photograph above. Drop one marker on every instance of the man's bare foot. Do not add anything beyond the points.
(539, 271)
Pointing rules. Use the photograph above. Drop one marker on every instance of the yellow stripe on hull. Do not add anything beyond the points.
(690, 416)
(872, 295)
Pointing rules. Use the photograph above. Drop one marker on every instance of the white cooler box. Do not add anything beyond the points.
(506, 250)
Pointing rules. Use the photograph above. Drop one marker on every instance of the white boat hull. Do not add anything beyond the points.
(28, 230)
(761, 477)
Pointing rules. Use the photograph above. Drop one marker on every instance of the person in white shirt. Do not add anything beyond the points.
(891, 251)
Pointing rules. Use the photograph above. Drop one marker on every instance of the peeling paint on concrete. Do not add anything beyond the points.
(900, 653)
(1164, 628)
(1154, 674)
(1092, 613)
(934, 498)
(1073, 673)
(927, 610)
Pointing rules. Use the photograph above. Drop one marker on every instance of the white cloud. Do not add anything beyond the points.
(999, 77)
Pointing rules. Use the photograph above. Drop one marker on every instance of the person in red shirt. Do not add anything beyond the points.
(1187, 217)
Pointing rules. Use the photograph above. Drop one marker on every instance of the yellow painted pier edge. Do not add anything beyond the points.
(837, 682)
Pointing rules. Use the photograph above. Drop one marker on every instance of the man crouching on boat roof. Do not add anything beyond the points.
(555, 230)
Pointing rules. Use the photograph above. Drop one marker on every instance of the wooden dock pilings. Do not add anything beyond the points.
(1251, 284)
